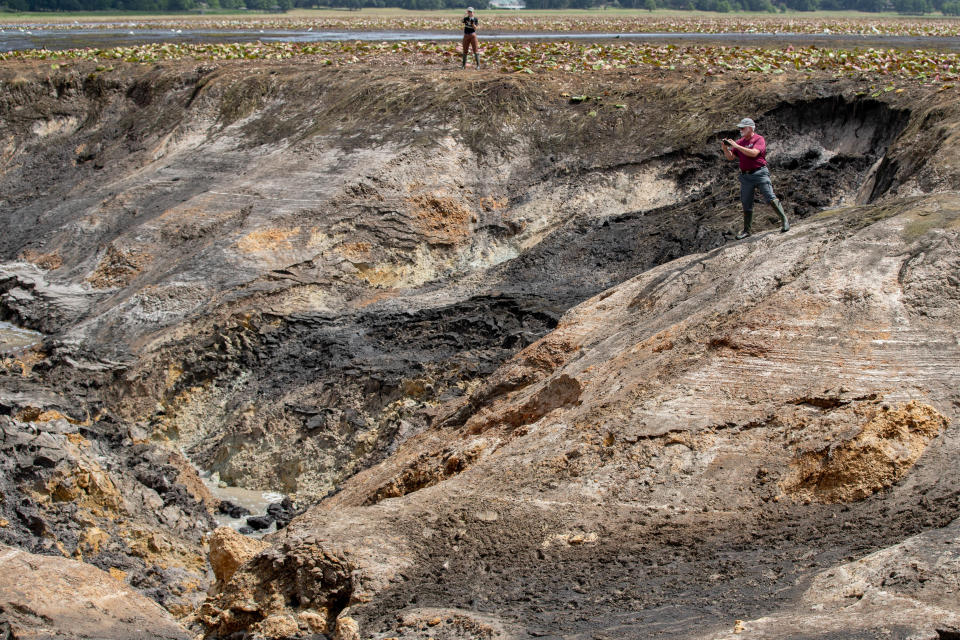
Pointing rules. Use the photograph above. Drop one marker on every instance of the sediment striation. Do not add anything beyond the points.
(503, 343)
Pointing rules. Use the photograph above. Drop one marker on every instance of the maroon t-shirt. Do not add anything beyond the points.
(755, 142)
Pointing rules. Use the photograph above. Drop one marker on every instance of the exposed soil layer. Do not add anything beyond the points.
(353, 283)
(53, 597)
(405, 279)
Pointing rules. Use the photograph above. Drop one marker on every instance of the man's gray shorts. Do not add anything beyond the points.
(749, 182)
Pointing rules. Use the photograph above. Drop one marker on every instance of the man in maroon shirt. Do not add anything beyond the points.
(751, 151)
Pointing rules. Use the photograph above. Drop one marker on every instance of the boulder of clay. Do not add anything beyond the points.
(260, 522)
(229, 549)
(233, 510)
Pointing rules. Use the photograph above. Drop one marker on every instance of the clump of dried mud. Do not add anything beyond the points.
(884, 450)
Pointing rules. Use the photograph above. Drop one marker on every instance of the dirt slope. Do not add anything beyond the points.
(687, 449)
(320, 255)
(363, 284)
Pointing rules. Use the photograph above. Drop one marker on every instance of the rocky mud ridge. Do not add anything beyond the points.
(504, 342)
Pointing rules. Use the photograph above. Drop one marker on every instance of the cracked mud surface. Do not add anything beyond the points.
(363, 286)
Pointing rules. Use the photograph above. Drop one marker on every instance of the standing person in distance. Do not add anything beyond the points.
(470, 24)
(751, 152)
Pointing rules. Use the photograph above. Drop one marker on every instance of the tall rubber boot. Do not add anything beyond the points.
(463, 63)
(476, 59)
(747, 224)
(784, 225)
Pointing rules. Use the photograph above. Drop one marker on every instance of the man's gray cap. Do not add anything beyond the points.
(470, 9)
(747, 122)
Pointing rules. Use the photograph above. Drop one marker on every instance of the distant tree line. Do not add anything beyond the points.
(914, 7)
(402, 4)
(262, 5)
(911, 7)
(143, 5)
(948, 7)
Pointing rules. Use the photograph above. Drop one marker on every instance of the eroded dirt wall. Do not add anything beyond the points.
(291, 272)
(322, 255)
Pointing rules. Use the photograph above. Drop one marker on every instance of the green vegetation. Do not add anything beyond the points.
(142, 6)
(191, 5)
(555, 21)
(887, 67)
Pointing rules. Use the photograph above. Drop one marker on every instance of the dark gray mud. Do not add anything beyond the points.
(653, 577)
(358, 365)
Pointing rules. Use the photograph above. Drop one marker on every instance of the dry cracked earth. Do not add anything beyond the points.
(501, 352)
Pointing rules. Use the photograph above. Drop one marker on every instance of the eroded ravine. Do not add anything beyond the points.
(289, 276)
(380, 367)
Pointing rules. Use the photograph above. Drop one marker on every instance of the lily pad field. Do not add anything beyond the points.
(540, 21)
(920, 65)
